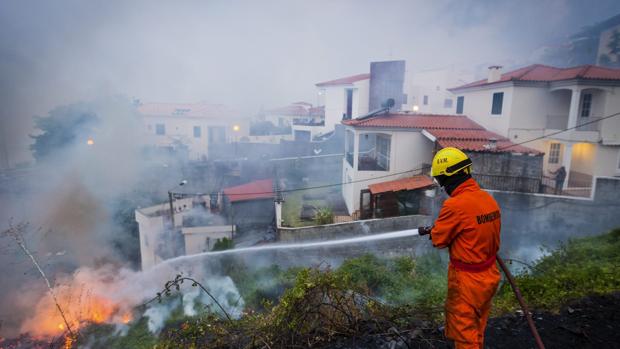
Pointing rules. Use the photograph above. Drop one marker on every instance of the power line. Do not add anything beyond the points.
(419, 168)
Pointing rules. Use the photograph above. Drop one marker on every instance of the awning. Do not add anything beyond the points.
(411, 183)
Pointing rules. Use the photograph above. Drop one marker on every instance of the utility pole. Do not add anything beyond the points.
(170, 197)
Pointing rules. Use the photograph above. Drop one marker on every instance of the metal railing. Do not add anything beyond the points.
(301, 122)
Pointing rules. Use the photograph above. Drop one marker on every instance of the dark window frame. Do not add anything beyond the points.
(497, 104)
(160, 129)
(460, 104)
(586, 105)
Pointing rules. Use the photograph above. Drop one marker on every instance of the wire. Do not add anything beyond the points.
(412, 170)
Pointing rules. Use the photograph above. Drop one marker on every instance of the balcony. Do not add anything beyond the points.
(585, 133)
(556, 122)
(302, 122)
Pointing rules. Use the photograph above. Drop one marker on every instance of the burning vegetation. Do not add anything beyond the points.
(368, 300)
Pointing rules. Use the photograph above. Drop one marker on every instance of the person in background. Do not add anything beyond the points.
(469, 226)
(560, 176)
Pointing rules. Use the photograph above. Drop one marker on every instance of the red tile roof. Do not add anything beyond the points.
(345, 81)
(411, 183)
(192, 110)
(545, 73)
(262, 189)
(421, 121)
(450, 131)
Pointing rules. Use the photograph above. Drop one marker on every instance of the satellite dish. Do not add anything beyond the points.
(389, 103)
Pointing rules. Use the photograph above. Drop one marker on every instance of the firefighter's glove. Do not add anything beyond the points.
(425, 231)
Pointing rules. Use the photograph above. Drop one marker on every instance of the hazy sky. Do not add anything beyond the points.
(249, 53)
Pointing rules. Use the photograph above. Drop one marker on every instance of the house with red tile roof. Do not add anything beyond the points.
(569, 109)
(391, 146)
(343, 98)
(191, 126)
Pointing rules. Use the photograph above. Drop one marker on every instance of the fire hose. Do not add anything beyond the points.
(522, 303)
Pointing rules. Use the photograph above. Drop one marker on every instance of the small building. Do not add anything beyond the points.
(191, 126)
(250, 206)
(388, 146)
(399, 197)
(565, 109)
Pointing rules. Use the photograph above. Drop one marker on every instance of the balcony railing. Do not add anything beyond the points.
(299, 122)
(593, 123)
(556, 122)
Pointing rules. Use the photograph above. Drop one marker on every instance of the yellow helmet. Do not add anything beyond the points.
(449, 161)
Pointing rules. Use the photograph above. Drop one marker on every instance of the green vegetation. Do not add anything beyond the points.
(324, 215)
(294, 202)
(579, 268)
(223, 244)
(313, 306)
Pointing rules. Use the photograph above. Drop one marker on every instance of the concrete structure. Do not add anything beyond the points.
(541, 101)
(195, 229)
(191, 126)
(390, 146)
(387, 80)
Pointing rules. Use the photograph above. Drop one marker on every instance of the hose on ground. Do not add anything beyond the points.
(524, 307)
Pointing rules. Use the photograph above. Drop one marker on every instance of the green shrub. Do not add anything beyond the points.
(324, 215)
(223, 244)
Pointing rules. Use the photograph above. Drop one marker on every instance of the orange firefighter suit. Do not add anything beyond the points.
(469, 225)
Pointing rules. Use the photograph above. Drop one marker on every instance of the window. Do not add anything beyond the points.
(459, 104)
(425, 100)
(160, 129)
(618, 161)
(447, 103)
(554, 153)
(374, 152)
(197, 132)
(349, 139)
(349, 103)
(586, 105)
(498, 100)
(383, 152)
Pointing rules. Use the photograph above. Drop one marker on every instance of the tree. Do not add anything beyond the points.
(62, 127)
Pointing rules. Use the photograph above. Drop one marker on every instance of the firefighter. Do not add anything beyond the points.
(469, 226)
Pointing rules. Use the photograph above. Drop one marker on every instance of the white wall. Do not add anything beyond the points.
(179, 128)
(610, 128)
(408, 151)
(434, 84)
(607, 160)
(151, 226)
(335, 99)
(477, 105)
(202, 239)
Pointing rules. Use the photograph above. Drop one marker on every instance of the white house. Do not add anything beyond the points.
(427, 90)
(343, 98)
(538, 100)
(299, 121)
(389, 146)
(191, 234)
(192, 125)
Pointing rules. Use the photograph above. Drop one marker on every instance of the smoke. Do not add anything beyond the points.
(248, 54)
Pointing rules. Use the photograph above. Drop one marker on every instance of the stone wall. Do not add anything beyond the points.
(350, 229)
(508, 172)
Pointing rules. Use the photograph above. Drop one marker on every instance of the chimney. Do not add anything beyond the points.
(495, 73)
